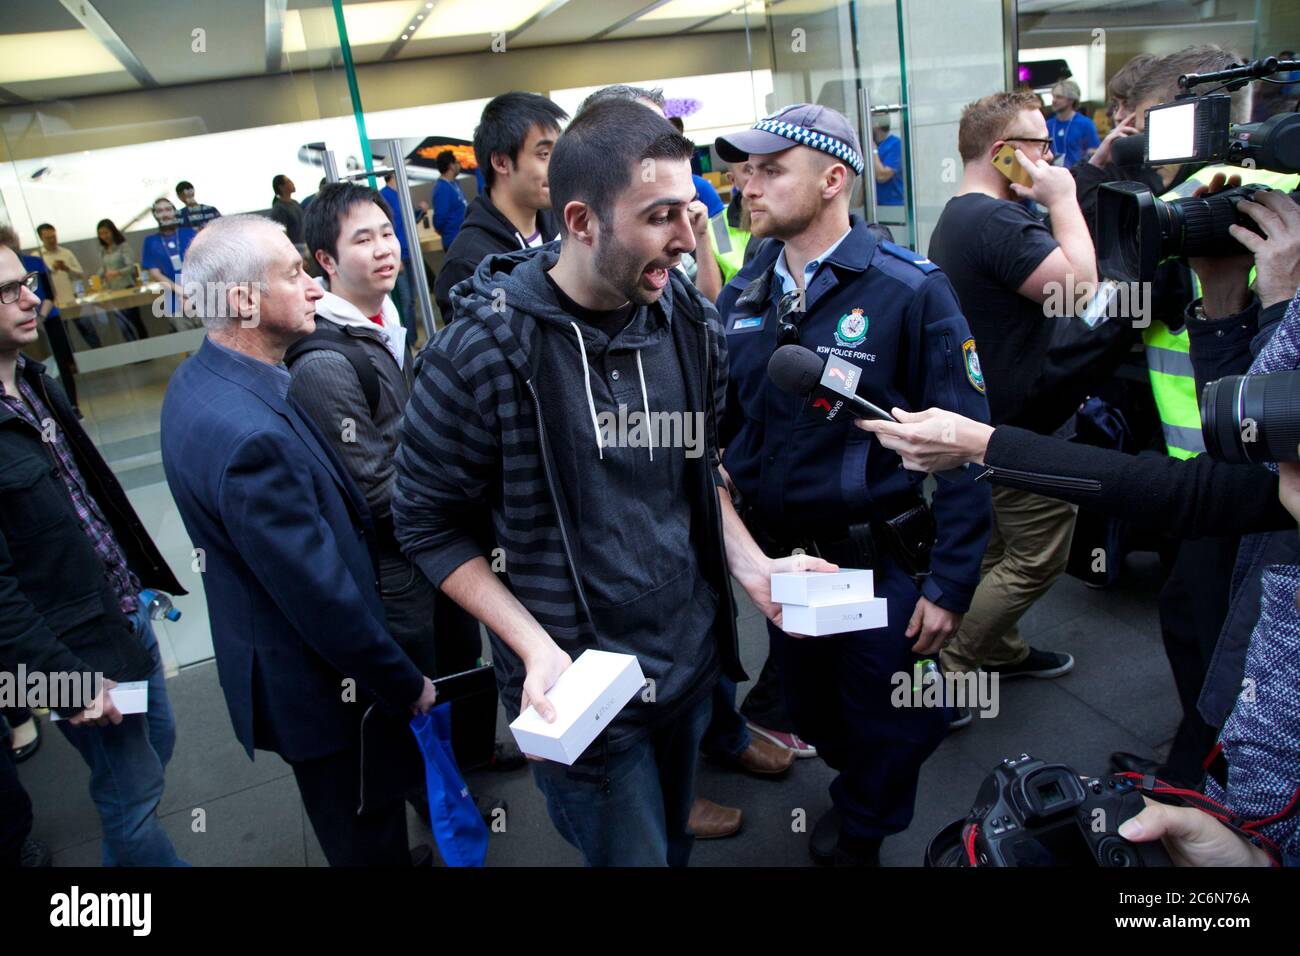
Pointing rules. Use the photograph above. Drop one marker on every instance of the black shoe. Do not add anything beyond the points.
(505, 757)
(1121, 762)
(28, 750)
(35, 853)
(488, 807)
(1045, 664)
(825, 838)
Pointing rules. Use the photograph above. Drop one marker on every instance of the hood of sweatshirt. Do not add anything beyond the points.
(510, 294)
(342, 312)
(483, 214)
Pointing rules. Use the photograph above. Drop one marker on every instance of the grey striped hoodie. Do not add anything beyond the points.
(474, 471)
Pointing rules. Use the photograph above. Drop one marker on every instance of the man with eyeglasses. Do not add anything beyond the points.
(821, 279)
(74, 557)
(1006, 264)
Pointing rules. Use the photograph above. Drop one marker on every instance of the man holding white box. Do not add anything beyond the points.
(612, 539)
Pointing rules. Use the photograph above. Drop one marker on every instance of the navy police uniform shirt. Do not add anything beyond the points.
(892, 313)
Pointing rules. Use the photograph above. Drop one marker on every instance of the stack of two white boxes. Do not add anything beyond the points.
(814, 604)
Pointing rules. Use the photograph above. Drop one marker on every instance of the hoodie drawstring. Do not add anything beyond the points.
(586, 380)
(645, 403)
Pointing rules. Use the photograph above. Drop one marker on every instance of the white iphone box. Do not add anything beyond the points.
(129, 698)
(587, 698)
(818, 587)
(838, 618)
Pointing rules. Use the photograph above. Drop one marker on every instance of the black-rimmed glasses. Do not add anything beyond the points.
(10, 291)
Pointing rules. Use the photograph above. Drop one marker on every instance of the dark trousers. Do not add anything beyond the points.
(838, 690)
(61, 348)
(15, 806)
(630, 808)
(1193, 607)
(331, 791)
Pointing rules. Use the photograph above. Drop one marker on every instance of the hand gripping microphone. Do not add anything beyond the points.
(833, 388)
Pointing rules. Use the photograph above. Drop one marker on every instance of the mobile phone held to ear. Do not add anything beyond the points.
(1007, 164)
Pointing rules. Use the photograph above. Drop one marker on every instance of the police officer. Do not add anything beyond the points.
(830, 488)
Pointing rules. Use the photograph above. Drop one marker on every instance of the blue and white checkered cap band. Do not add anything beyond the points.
(807, 137)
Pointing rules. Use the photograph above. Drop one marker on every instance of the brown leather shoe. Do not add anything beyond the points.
(709, 821)
(765, 758)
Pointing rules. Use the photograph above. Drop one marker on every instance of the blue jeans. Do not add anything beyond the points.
(727, 735)
(630, 808)
(126, 770)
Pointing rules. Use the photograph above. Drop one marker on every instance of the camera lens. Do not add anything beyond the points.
(1250, 419)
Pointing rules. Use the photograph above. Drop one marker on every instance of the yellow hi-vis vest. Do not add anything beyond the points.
(1169, 360)
(728, 246)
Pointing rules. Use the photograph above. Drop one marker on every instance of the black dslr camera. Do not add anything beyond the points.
(1137, 231)
(1030, 813)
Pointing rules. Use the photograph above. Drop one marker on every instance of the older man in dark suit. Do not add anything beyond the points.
(303, 651)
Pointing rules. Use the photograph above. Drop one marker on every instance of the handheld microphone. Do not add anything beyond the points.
(832, 384)
(833, 387)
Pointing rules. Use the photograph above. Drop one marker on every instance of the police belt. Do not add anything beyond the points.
(900, 528)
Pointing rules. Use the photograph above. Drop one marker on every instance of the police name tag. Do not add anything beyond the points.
(747, 323)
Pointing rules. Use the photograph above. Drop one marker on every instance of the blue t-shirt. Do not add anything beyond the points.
(43, 289)
(448, 210)
(706, 194)
(165, 253)
(890, 151)
(1071, 137)
(399, 229)
(197, 217)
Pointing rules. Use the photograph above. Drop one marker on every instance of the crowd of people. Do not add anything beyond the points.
(362, 510)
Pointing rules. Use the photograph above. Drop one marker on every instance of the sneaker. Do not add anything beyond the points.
(802, 749)
(1043, 664)
(961, 717)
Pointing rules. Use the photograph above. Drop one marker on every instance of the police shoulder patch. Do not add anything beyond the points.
(909, 256)
(972, 361)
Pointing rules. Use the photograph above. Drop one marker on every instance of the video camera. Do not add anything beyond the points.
(1136, 231)
(1031, 813)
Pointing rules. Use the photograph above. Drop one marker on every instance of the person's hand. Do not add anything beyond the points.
(1051, 184)
(542, 668)
(1225, 280)
(759, 586)
(1191, 837)
(1288, 487)
(1277, 253)
(933, 440)
(428, 696)
(423, 206)
(1101, 155)
(111, 274)
(60, 265)
(931, 626)
(699, 216)
(102, 711)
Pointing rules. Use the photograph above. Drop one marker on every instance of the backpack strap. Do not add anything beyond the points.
(329, 338)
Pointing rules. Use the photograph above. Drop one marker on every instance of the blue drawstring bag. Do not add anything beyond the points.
(461, 835)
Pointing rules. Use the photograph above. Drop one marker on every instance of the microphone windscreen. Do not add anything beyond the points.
(795, 369)
(1129, 150)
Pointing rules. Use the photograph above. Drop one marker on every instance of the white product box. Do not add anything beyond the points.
(838, 618)
(817, 587)
(587, 698)
(129, 698)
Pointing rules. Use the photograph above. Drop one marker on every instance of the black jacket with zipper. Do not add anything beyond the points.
(485, 232)
(58, 612)
(474, 450)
